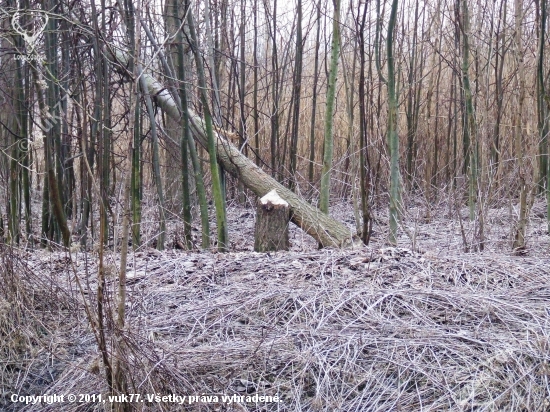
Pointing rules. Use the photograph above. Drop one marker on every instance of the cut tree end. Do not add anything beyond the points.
(273, 198)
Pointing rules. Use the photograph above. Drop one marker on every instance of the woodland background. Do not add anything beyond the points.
(409, 137)
(451, 96)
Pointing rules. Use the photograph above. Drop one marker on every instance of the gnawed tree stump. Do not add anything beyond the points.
(327, 231)
(272, 218)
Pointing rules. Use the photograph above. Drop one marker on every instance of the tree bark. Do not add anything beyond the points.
(218, 185)
(314, 99)
(297, 90)
(329, 114)
(392, 135)
(520, 149)
(271, 233)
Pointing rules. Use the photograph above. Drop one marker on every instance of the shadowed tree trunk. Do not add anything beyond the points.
(519, 241)
(470, 130)
(329, 115)
(542, 108)
(217, 188)
(296, 97)
(274, 142)
(364, 161)
(186, 139)
(156, 166)
(51, 187)
(314, 98)
(255, 88)
(393, 137)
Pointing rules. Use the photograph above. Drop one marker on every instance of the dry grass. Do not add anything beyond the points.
(39, 320)
(364, 330)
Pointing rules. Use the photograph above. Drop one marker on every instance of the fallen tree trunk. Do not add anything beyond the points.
(323, 228)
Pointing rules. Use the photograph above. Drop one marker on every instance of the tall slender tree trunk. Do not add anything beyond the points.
(17, 144)
(188, 142)
(255, 112)
(364, 163)
(217, 189)
(519, 241)
(156, 165)
(136, 181)
(412, 102)
(542, 108)
(51, 188)
(393, 137)
(499, 95)
(349, 173)
(242, 93)
(468, 145)
(470, 130)
(296, 97)
(105, 130)
(274, 94)
(216, 107)
(329, 115)
(314, 97)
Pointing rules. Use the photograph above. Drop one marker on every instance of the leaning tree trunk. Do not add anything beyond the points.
(325, 230)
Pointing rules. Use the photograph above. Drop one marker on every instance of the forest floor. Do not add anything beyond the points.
(425, 326)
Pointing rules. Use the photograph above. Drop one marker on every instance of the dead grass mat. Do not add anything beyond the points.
(364, 330)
